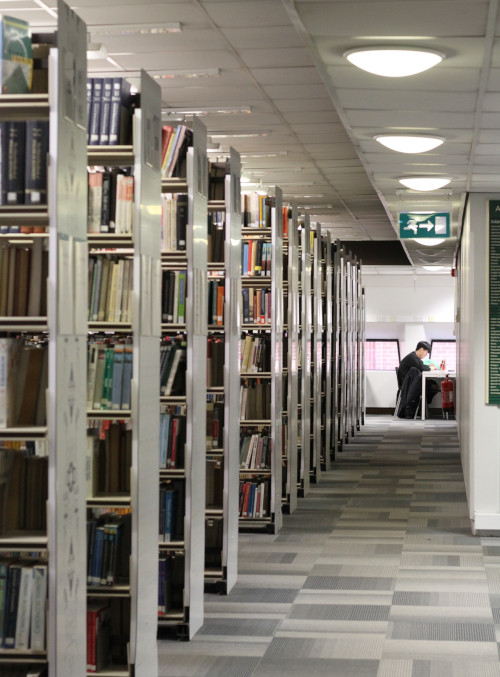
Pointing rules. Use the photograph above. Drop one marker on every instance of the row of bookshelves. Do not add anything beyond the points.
(212, 369)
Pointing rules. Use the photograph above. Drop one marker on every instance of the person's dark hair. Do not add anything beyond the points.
(424, 345)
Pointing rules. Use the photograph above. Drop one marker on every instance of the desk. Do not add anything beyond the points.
(433, 373)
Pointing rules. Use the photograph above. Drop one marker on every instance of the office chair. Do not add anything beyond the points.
(398, 394)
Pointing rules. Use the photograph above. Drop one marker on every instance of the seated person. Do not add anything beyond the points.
(414, 360)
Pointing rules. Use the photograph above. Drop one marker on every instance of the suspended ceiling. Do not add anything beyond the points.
(313, 115)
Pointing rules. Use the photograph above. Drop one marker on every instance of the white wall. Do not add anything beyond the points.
(411, 309)
(479, 423)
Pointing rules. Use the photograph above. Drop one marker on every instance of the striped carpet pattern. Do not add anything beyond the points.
(375, 575)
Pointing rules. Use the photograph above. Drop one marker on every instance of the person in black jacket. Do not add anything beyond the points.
(415, 359)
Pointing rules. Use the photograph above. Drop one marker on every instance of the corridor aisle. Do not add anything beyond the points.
(375, 575)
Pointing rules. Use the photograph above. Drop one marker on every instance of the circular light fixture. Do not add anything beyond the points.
(429, 241)
(409, 143)
(393, 62)
(424, 183)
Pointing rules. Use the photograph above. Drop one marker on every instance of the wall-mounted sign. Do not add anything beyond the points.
(493, 319)
(413, 225)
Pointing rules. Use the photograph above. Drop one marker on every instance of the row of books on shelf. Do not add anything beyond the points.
(23, 279)
(23, 602)
(215, 301)
(255, 400)
(259, 212)
(172, 436)
(215, 361)
(24, 147)
(108, 549)
(174, 220)
(110, 296)
(215, 420)
(110, 200)
(173, 356)
(109, 112)
(23, 381)
(23, 490)
(108, 630)
(108, 457)
(254, 498)
(215, 234)
(255, 450)
(173, 296)
(175, 142)
(109, 375)
(171, 519)
(256, 305)
(256, 258)
(255, 351)
(170, 582)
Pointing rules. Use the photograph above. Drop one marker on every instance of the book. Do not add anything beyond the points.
(120, 112)
(95, 111)
(11, 604)
(37, 150)
(3, 596)
(13, 158)
(23, 621)
(104, 123)
(16, 55)
(181, 220)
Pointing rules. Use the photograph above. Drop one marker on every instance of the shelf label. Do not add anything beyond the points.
(413, 225)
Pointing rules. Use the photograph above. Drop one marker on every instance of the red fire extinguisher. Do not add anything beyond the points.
(447, 395)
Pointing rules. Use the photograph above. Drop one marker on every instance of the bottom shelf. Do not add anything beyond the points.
(111, 672)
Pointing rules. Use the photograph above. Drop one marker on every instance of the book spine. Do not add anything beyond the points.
(13, 139)
(95, 120)
(104, 123)
(37, 148)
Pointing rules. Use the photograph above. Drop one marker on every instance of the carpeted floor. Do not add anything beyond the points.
(375, 575)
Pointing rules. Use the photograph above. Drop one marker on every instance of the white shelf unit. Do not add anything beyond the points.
(184, 620)
(291, 336)
(317, 354)
(328, 349)
(305, 267)
(273, 330)
(361, 352)
(224, 518)
(60, 544)
(143, 248)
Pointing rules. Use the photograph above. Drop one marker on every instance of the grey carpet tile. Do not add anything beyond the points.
(376, 574)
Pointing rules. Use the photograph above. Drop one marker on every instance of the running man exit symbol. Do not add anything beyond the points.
(413, 225)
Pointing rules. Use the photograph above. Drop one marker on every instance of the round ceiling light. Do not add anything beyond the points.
(424, 183)
(429, 242)
(393, 62)
(409, 143)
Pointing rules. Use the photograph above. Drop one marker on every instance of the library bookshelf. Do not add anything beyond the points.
(261, 399)
(223, 431)
(42, 387)
(123, 410)
(291, 357)
(180, 606)
(305, 338)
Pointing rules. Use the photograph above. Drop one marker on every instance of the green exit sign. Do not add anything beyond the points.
(413, 225)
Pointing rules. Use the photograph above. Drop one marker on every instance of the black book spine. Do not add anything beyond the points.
(37, 148)
(106, 202)
(104, 124)
(95, 118)
(181, 221)
(13, 139)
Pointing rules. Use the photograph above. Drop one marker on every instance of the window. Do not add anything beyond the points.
(382, 354)
(444, 350)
